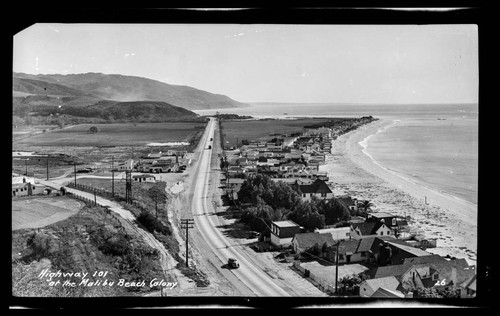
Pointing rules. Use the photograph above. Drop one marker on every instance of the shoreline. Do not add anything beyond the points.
(452, 220)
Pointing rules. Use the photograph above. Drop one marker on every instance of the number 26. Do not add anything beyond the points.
(442, 282)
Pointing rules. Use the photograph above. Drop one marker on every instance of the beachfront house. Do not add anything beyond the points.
(282, 232)
(360, 230)
(390, 220)
(318, 189)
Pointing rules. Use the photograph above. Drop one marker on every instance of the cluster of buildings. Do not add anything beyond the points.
(154, 162)
(396, 266)
(293, 159)
(26, 186)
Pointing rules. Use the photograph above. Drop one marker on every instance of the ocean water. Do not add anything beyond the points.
(435, 145)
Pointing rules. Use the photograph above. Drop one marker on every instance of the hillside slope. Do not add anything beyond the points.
(121, 88)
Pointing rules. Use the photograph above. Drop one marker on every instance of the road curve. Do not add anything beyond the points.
(253, 277)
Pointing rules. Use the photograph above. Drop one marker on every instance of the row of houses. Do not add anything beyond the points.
(397, 268)
(285, 158)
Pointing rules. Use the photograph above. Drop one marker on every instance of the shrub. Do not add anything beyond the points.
(152, 224)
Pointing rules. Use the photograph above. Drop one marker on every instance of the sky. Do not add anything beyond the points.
(269, 62)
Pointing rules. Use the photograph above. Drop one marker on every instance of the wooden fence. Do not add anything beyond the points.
(317, 281)
(102, 193)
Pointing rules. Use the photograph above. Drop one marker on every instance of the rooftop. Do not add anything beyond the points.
(385, 293)
(285, 224)
(306, 240)
(144, 175)
(318, 186)
(389, 283)
(381, 214)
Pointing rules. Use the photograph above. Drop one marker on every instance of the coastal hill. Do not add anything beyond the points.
(89, 88)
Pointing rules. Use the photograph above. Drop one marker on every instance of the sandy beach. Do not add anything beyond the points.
(451, 220)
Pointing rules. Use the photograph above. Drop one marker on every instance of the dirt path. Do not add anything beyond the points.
(167, 262)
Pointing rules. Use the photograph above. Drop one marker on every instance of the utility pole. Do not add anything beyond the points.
(112, 176)
(26, 166)
(47, 168)
(187, 223)
(337, 267)
(95, 198)
(74, 170)
(128, 186)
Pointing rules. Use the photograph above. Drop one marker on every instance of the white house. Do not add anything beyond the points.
(369, 229)
(127, 165)
(27, 188)
(339, 233)
(318, 189)
(144, 178)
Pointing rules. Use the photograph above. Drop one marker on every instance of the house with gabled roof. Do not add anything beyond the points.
(468, 287)
(390, 220)
(303, 241)
(369, 287)
(426, 272)
(382, 292)
(374, 249)
(318, 189)
(370, 229)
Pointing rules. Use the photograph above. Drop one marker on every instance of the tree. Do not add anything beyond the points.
(365, 205)
(93, 130)
(157, 195)
(349, 285)
(333, 210)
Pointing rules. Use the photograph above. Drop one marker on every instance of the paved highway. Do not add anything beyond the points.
(253, 277)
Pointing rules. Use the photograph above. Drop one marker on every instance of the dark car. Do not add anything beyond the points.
(233, 263)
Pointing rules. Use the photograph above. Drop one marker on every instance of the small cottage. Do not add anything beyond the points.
(144, 178)
(27, 188)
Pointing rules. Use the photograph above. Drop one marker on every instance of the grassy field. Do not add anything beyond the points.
(38, 212)
(118, 134)
(234, 131)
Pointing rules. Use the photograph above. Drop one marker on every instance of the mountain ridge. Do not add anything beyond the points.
(124, 88)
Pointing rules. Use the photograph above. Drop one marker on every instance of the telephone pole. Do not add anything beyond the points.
(128, 186)
(187, 223)
(74, 170)
(47, 167)
(112, 176)
(337, 267)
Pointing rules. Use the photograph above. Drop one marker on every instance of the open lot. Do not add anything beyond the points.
(36, 212)
(327, 272)
(238, 130)
(118, 134)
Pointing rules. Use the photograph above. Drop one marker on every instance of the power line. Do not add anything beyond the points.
(187, 223)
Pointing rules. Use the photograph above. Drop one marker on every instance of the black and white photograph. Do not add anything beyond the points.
(313, 162)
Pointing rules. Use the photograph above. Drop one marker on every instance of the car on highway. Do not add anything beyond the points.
(233, 263)
(209, 146)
